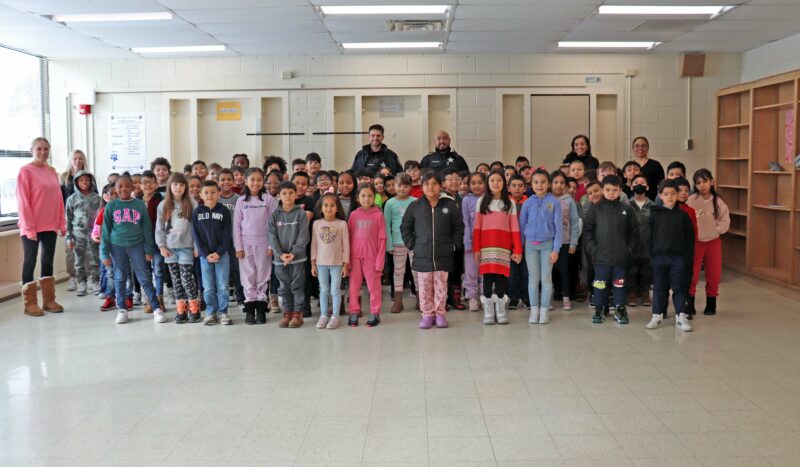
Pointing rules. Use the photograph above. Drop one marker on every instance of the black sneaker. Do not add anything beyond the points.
(194, 317)
(599, 315)
(512, 304)
(621, 315)
(352, 321)
(374, 320)
(180, 318)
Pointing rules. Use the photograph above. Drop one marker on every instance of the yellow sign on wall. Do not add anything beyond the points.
(229, 111)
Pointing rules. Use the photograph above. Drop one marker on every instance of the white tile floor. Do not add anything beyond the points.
(75, 389)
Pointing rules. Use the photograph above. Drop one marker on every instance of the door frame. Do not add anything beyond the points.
(528, 92)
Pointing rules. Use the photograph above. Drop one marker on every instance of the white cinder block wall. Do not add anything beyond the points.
(658, 95)
(771, 59)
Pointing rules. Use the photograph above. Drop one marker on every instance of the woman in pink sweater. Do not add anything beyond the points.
(367, 243)
(41, 219)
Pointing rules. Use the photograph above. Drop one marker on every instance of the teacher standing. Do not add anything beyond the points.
(651, 169)
(41, 220)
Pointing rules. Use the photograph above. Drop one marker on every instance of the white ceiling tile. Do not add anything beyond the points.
(748, 12)
(136, 31)
(620, 36)
(284, 50)
(217, 4)
(276, 39)
(389, 37)
(506, 25)
(508, 37)
(677, 47)
(161, 41)
(314, 26)
(247, 15)
(560, 11)
(724, 24)
(351, 24)
(730, 36)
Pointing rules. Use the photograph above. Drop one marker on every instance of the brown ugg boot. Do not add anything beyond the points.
(297, 319)
(147, 307)
(161, 303)
(284, 322)
(49, 303)
(31, 300)
(397, 306)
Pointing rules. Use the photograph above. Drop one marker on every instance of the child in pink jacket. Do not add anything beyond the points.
(367, 243)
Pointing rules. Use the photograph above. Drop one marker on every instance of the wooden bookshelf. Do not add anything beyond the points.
(754, 121)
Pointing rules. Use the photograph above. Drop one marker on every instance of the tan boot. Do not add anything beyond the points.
(49, 303)
(147, 307)
(31, 300)
(284, 322)
(397, 306)
(297, 320)
(161, 303)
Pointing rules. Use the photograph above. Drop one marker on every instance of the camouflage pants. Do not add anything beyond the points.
(87, 259)
(70, 260)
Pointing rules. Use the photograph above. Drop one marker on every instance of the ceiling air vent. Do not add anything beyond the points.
(416, 25)
(667, 26)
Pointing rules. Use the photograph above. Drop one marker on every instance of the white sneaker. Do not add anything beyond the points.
(224, 319)
(210, 320)
(654, 323)
(92, 286)
(534, 316)
(122, 316)
(474, 305)
(137, 298)
(81, 289)
(169, 297)
(323, 321)
(72, 284)
(682, 323)
(544, 316)
(158, 316)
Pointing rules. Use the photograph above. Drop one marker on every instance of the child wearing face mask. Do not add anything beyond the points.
(639, 272)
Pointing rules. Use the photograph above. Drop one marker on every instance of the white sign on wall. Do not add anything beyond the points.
(127, 149)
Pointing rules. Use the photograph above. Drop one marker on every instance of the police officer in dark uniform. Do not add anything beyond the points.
(444, 156)
(376, 155)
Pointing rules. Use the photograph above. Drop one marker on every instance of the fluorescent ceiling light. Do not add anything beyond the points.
(385, 9)
(711, 11)
(391, 45)
(608, 45)
(178, 49)
(110, 17)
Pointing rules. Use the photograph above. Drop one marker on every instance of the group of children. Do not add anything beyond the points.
(503, 235)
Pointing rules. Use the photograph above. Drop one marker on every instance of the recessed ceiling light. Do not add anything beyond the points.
(391, 45)
(384, 9)
(108, 17)
(711, 11)
(608, 45)
(178, 49)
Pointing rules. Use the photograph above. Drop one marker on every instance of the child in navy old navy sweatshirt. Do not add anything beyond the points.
(213, 232)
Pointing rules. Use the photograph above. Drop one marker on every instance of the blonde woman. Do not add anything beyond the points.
(77, 162)
(41, 220)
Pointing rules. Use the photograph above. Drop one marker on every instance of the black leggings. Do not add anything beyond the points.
(500, 283)
(562, 284)
(31, 249)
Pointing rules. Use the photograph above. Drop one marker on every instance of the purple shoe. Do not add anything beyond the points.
(441, 321)
(426, 322)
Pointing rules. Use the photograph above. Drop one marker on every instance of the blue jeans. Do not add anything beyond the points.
(124, 258)
(215, 280)
(329, 279)
(158, 277)
(607, 276)
(537, 257)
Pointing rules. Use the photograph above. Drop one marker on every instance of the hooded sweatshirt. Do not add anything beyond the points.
(177, 231)
(541, 221)
(289, 233)
(81, 210)
(126, 224)
(251, 221)
(367, 235)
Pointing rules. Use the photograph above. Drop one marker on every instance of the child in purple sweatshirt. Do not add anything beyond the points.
(472, 280)
(251, 241)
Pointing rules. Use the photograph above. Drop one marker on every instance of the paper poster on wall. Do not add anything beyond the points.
(127, 148)
(227, 111)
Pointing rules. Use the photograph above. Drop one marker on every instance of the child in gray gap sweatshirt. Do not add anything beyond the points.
(288, 236)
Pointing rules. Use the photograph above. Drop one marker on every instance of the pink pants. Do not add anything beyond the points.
(364, 269)
(472, 279)
(709, 255)
(432, 292)
(399, 256)
(254, 272)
